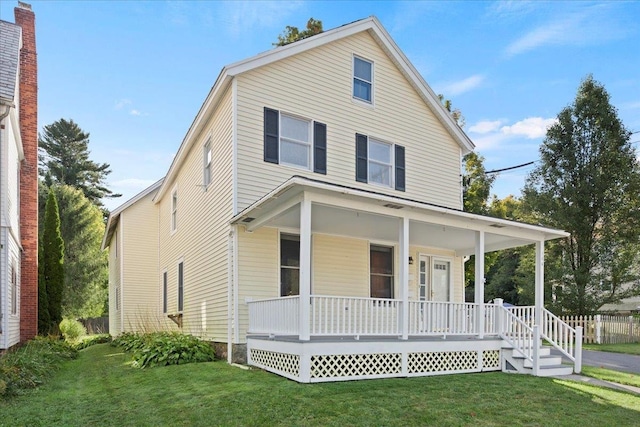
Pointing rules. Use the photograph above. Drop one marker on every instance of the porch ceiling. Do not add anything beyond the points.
(359, 214)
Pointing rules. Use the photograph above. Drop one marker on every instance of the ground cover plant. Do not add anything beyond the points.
(30, 365)
(628, 348)
(164, 348)
(101, 388)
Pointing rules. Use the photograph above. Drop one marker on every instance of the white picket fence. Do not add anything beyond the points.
(605, 329)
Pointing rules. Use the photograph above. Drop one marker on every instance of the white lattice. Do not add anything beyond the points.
(352, 365)
(282, 362)
(491, 359)
(442, 361)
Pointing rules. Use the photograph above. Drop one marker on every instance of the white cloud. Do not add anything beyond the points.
(587, 26)
(462, 86)
(486, 126)
(120, 104)
(135, 112)
(530, 128)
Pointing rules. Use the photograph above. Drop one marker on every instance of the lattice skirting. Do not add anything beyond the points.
(491, 360)
(288, 364)
(356, 365)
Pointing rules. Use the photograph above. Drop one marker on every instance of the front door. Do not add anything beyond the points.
(434, 279)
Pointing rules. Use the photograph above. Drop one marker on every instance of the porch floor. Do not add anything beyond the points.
(377, 339)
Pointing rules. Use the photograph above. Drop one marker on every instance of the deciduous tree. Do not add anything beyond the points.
(293, 34)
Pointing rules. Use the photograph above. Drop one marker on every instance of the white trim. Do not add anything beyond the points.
(173, 211)
(432, 257)
(121, 284)
(356, 99)
(207, 164)
(236, 286)
(392, 164)
(234, 145)
(230, 316)
(308, 144)
(394, 274)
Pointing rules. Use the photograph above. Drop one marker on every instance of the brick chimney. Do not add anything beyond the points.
(25, 18)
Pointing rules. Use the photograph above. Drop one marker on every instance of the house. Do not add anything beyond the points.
(18, 179)
(311, 224)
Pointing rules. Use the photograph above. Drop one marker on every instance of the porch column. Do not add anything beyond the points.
(305, 268)
(479, 283)
(403, 276)
(539, 279)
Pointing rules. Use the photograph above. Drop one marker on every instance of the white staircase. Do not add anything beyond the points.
(513, 361)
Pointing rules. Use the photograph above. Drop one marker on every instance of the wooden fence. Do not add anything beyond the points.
(605, 329)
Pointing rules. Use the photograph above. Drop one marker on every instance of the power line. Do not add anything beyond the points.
(510, 168)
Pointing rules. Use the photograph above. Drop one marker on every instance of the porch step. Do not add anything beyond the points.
(550, 371)
(514, 361)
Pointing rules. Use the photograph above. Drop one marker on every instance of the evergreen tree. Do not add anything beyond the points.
(588, 183)
(52, 262)
(44, 320)
(64, 159)
(293, 34)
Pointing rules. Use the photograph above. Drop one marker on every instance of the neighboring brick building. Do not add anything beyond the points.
(18, 179)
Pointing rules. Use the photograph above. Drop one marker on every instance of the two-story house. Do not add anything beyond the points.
(311, 224)
(18, 180)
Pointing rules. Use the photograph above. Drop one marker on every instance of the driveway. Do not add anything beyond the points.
(602, 359)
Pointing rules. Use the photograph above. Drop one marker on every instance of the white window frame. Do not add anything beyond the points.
(432, 260)
(391, 165)
(308, 144)
(173, 219)
(207, 160)
(354, 77)
(394, 269)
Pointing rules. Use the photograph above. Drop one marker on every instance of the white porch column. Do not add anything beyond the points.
(479, 283)
(305, 267)
(539, 279)
(403, 276)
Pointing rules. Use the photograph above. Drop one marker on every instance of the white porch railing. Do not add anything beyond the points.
(331, 315)
(518, 334)
(563, 337)
(275, 316)
(449, 318)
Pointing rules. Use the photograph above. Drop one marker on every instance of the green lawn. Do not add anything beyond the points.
(613, 376)
(633, 348)
(101, 389)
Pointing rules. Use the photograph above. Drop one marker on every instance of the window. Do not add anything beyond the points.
(164, 291)
(377, 160)
(295, 141)
(208, 164)
(117, 297)
(289, 265)
(362, 79)
(174, 210)
(381, 266)
(13, 277)
(180, 286)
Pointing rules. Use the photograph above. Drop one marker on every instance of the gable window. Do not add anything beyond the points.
(381, 271)
(174, 210)
(164, 292)
(13, 277)
(208, 164)
(379, 162)
(289, 265)
(294, 141)
(362, 79)
(180, 286)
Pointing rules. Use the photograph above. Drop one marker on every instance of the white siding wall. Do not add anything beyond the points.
(201, 238)
(317, 85)
(115, 315)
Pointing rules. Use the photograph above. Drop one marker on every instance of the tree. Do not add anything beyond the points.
(52, 264)
(86, 266)
(44, 320)
(64, 159)
(293, 34)
(476, 185)
(588, 184)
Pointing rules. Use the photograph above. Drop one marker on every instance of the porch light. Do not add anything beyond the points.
(410, 260)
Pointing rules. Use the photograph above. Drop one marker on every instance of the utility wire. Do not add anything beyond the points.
(509, 168)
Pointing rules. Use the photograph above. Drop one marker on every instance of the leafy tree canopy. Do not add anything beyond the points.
(64, 159)
(588, 183)
(293, 34)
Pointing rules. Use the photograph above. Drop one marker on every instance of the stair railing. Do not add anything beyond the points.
(563, 337)
(520, 336)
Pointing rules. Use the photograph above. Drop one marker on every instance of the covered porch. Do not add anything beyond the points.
(312, 336)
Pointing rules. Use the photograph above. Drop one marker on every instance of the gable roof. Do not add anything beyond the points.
(114, 216)
(370, 25)
(10, 40)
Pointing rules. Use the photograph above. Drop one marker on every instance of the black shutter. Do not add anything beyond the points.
(400, 185)
(361, 158)
(320, 148)
(271, 135)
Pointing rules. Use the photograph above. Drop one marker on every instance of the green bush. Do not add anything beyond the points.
(30, 365)
(72, 330)
(164, 348)
(92, 340)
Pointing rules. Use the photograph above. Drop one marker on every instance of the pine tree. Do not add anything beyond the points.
(52, 262)
(64, 159)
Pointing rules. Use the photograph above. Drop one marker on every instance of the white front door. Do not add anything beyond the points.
(434, 279)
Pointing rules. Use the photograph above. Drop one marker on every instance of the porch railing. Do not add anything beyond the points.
(275, 316)
(518, 334)
(563, 337)
(450, 318)
(331, 315)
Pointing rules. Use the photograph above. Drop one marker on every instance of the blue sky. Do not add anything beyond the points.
(134, 74)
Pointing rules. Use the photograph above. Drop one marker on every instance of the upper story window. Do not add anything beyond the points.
(380, 162)
(362, 79)
(207, 164)
(294, 141)
(174, 210)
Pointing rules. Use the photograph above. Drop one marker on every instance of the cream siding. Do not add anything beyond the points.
(141, 287)
(115, 315)
(201, 237)
(317, 84)
(340, 266)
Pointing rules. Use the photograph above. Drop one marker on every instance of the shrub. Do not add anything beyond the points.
(72, 330)
(164, 348)
(30, 365)
(92, 340)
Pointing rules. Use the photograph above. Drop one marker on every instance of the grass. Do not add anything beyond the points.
(101, 388)
(613, 376)
(632, 348)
